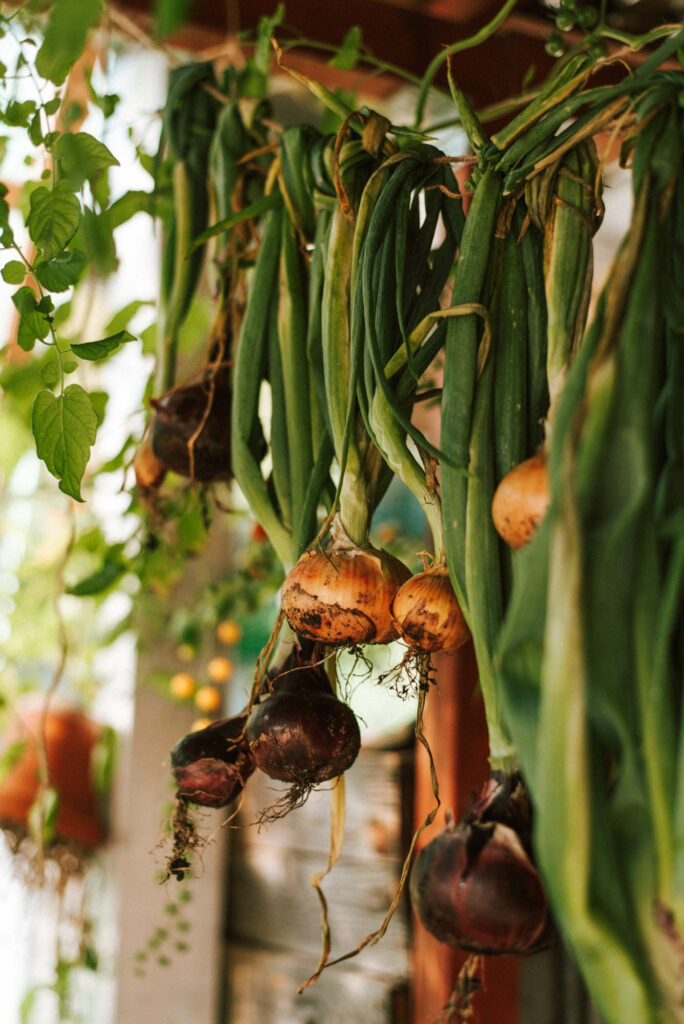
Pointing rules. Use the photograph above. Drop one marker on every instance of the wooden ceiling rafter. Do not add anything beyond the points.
(405, 33)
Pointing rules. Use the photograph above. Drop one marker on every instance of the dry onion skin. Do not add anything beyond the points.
(474, 887)
(427, 614)
(211, 766)
(195, 416)
(149, 470)
(343, 596)
(521, 501)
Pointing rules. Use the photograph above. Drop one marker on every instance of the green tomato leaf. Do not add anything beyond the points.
(32, 322)
(64, 427)
(14, 272)
(98, 241)
(50, 373)
(127, 205)
(10, 756)
(124, 316)
(99, 401)
(99, 349)
(53, 219)
(18, 114)
(63, 271)
(4, 207)
(42, 814)
(82, 157)
(171, 15)
(347, 57)
(100, 580)
(65, 36)
(35, 130)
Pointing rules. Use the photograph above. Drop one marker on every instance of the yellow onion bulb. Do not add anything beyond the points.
(427, 614)
(521, 501)
(343, 596)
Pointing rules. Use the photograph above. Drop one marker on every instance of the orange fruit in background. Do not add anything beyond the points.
(200, 723)
(228, 632)
(185, 652)
(220, 669)
(208, 699)
(182, 685)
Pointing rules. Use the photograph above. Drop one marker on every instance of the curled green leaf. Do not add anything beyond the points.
(93, 350)
(63, 271)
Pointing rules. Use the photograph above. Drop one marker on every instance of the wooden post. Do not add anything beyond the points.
(455, 728)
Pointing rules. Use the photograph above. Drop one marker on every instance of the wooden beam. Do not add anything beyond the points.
(456, 730)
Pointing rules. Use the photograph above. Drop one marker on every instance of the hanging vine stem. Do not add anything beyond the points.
(463, 44)
(43, 767)
(376, 936)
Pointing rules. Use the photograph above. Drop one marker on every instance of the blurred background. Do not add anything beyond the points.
(104, 938)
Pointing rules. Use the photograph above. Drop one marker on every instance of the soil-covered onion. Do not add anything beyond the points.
(180, 413)
(212, 765)
(426, 613)
(521, 501)
(302, 734)
(343, 596)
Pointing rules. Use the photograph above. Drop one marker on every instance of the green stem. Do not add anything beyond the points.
(463, 44)
(637, 42)
(171, 316)
(364, 57)
(354, 510)
(391, 441)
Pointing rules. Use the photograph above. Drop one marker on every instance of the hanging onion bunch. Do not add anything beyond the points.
(521, 501)
(426, 613)
(211, 765)
(299, 732)
(342, 595)
(475, 886)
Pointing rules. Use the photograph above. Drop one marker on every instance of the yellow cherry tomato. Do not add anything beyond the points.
(185, 652)
(208, 699)
(182, 686)
(220, 669)
(200, 723)
(228, 632)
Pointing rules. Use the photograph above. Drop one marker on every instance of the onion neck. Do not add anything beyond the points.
(390, 438)
(502, 754)
(354, 509)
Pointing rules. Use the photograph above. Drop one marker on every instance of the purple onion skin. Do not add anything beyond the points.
(475, 888)
(303, 735)
(209, 767)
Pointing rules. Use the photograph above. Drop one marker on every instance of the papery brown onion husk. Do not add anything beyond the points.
(211, 766)
(474, 887)
(178, 415)
(343, 595)
(427, 614)
(149, 470)
(302, 734)
(521, 500)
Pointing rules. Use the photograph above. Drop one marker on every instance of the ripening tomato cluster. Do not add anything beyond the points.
(205, 692)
